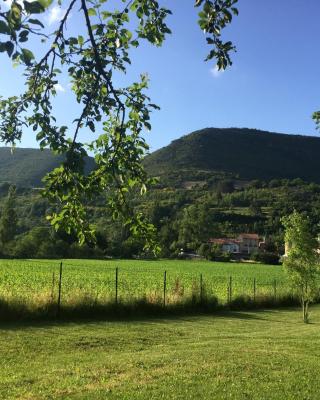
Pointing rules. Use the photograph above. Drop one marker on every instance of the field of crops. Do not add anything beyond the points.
(37, 281)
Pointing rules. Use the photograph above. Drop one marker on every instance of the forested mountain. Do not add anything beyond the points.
(246, 154)
(213, 183)
(27, 167)
(243, 154)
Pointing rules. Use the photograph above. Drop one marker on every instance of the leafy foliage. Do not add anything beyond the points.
(215, 16)
(116, 116)
(8, 221)
(302, 260)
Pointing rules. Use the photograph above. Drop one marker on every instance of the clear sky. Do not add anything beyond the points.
(273, 84)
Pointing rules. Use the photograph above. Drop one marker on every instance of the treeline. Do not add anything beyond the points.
(27, 167)
(185, 219)
(25, 232)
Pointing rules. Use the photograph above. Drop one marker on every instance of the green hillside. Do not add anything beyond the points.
(212, 153)
(183, 218)
(214, 183)
(246, 154)
(26, 167)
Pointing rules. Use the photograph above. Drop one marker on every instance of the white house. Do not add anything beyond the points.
(227, 245)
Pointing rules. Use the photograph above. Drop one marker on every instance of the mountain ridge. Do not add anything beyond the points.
(247, 154)
(210, 153)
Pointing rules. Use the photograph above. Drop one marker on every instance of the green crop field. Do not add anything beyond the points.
(236, 355)
(37, 281)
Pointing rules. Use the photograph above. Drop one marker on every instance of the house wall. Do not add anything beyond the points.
(249, 245)
(230, 248)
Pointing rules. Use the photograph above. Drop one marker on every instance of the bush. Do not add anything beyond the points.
(205, 250)
(244, 302)
(42, 242)
(213, 252)
(223, 257)
(266, 258)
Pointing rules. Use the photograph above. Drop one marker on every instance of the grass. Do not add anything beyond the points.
(36, 281)
(240, 355)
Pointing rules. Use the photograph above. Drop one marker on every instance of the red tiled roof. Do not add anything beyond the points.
(224, 241)
(249, 236)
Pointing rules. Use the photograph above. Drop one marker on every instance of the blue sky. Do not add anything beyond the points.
(272, 85)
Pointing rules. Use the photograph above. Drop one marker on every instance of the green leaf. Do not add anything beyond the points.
(35, 22)
(15, 12)
(9, 48)
(45, 3)
(23, 36)
(2, 47)
(91, 125)
(92, 12)
(4, 28)
(33, 7)
(73, 41)
(27, 56)
(235, 11)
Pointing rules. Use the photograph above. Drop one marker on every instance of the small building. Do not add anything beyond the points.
(249, 243)
(231, 246)
(245, 243)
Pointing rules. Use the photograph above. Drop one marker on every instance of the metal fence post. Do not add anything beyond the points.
(53, 285)
(164, 288)
(117, 277)
(60, 285)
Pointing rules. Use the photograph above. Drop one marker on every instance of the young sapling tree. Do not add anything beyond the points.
(301, 260)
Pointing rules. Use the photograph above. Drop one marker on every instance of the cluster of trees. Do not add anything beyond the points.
(25, 233)
(184, 219)
(35, 238)
(193, 227)
(206, 213)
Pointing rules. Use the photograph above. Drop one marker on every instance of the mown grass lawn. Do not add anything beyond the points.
(240, 355)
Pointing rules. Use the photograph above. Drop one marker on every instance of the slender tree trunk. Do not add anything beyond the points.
(306, 304)
(305, 311)
(306, 308)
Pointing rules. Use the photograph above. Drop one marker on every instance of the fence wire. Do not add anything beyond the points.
(41, 282)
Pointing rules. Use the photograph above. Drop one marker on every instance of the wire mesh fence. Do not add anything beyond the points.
(69, 283)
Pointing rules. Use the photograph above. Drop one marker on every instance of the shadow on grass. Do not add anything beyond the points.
(18, 314)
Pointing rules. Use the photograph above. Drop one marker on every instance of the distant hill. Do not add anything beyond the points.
(27, 167)
(242, 154)
(246, 154)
